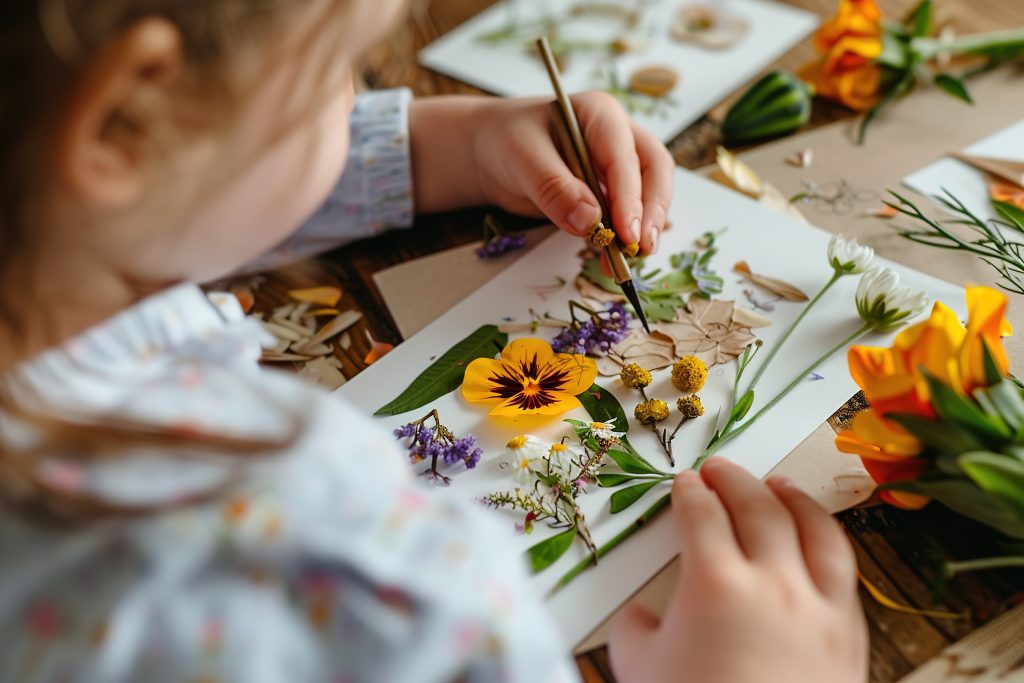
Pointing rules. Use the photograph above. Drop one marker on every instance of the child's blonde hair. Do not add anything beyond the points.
(43, 46)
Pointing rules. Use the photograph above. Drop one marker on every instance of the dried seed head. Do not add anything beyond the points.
(635, 377)
(651, 412)
(689, 374)
(690, 407)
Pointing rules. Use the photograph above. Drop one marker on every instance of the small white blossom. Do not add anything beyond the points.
(605, 431)
(523, 456)
(884, 303)
(849, 257)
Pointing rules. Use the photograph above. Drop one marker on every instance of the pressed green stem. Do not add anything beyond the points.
(953, 568)
(640, 522)
(782, 340)
(730, 435)
(930, 48)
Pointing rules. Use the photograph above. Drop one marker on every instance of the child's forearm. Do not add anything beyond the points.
(442, 139)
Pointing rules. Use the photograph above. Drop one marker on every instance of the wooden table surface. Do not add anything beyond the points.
(897, 551)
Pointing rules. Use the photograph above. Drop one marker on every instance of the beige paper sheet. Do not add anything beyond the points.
(912, 134)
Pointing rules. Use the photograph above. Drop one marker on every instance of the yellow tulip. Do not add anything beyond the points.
(529, 379)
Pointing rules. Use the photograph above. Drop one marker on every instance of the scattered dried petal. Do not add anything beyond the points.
(802, 159)
(273, 357)
(323, 373)
(770, 284)
(320, 312)
(654, 81)
(379, 350)
(282, 332)
(738, 175)
(884, 211)
(245, 298)
(1006, 192)
(323, 296)
(709, 331)
(334, 328)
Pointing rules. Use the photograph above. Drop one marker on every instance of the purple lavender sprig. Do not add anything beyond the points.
(595, 335)
(438, 444)
(498, 241)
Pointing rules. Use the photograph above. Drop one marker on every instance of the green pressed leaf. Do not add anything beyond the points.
(1000, 475)
(447, 372)
(612, 480)
(1012, 213)
(992, 373)
(1003, 398)
(742, 407)
(631, 463)
(602, 406)
(953, 86)
(623, 499)
(955, 408)
(547, 552)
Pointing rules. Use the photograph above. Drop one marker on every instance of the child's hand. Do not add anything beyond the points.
(506, 150)
(767, 591)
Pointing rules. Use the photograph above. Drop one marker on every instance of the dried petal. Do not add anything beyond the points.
(273, 357)
(334, 328)
(654, 81)
(323, 296)
(379, 350)
(320, 312)
(802, 159)
(884, 211)
(1006, 192)
(738, 175)
(770, 284)
(245, 298)
(323, 373)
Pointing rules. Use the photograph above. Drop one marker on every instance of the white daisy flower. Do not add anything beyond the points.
(523, 456)
(849, 257)
(885, 304)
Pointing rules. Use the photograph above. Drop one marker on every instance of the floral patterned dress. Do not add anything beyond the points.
(322, 560)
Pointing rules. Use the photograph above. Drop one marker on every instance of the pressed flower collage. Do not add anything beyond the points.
(553, 410)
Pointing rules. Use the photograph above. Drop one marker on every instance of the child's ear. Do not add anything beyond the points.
(123, 97)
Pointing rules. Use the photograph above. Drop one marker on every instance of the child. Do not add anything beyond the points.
(173, 513)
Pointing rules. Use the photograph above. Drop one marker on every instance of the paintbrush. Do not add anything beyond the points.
(577, 157)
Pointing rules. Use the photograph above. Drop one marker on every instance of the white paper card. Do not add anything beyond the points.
(965, 182)
(773, 244)
(706, 76)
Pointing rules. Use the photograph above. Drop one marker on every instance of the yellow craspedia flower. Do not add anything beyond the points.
(516, 442)
(689, 374)
(651, 412)
(690, 407)
(633, 248)
(635, 377)
(602, 236)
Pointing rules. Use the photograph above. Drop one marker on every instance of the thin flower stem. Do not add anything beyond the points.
(953, 568)
(836, 275)
(975, 43)
(638, 523)
(730, 435)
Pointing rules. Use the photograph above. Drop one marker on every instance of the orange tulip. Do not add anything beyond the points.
(893, 381)
(849, 44)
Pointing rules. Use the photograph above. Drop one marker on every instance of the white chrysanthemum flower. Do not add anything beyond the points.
(524, 455)
(885, 304)
(849, 257)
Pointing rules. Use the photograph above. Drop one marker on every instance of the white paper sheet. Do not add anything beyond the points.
(706, 75)
(773, 244)
(965, 182)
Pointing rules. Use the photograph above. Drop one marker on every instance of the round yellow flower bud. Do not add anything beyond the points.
(651, 412)
(689, 374)
(635, 377)
(516, 442)
(631, 250)
(690, 407)
(602, 236)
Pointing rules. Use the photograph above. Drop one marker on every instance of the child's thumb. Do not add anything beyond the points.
(630, 636)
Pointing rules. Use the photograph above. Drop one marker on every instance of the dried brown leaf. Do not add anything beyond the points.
(709, 331)
(770, 284)
(651, 351)
(334, 328)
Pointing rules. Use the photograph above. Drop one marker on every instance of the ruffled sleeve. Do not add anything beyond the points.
(375, 190)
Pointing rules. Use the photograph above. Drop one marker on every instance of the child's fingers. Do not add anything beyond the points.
(763, 525)
(826, 550)
(609, 137)
(550, 185)
(657, 170)
(702, 525)
(630, 636)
